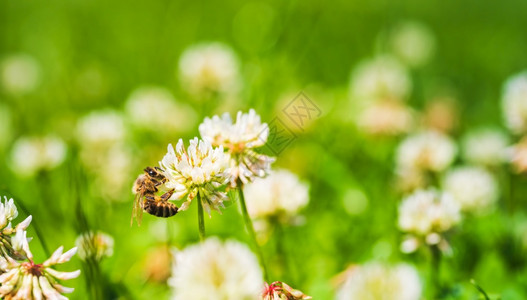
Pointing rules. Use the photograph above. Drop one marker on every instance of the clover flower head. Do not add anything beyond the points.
(281, 192)
(487, 147)
(12, 239)
(32, 154)
(413, 42)
(386, 117)
(27, 280)
(199, 170)
(473, 188)
(20, 73)
(378, 281)
(281, 291)
(216, 270)
(102, 127)
(211, 67)
(426, 151)
(239, 139)
(94, 245)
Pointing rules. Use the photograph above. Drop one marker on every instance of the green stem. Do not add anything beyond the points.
(201, 219)
(434, 271)
(250, 229)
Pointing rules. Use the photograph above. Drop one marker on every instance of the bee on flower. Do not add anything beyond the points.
(240, 139)
(427, 215)
(200, 170)
(215, 270)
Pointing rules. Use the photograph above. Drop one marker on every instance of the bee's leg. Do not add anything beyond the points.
(167, 195)
(149, 198)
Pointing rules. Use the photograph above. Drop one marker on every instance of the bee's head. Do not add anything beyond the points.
(151, 171)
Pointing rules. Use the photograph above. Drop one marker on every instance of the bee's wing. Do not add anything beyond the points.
(137, 210)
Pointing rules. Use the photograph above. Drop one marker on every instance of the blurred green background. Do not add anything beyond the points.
(91, 55)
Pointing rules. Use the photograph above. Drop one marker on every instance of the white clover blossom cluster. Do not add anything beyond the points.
(514, 103)
(486, 147)
(30, 155)
(199, 170)
(386, 117)
(96, 245)
(426, 151)
(381, 77)
(19, 73)
(216, 270)
(155, 109)
(206, 68)
(427, 215)
(375, 281)
(473, 188)
(240, 139)
(281, 192)
(101, 127)
(20, 277)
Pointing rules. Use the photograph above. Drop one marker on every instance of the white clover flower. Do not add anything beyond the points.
(375, 281)
(428, 151)
(413, 42)
(280, 291)
(486, 147)
(386, 117)
(94, 245)
(199, 170)
(514, 102)
(428, 211)
(214, 270)
(11, 239)
(239, 139)
(27, 280)
(381, 77)
(206, 68)
(280, 192)
(32, 154)
(19, 74)
(101, 127)
(155, 109)
(473, 188)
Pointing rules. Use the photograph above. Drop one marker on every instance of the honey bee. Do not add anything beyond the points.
(145, 189)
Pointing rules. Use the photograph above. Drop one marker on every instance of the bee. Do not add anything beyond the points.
(145, 189)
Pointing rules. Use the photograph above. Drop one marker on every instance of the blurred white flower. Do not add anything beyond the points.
(375, 281)
(280, 291)
(427, 212)
(201, 170)
(239, 139)
(514, 102)
(32, 154)
(19, 73)
(27, 280)
(428, 151)
(413, 42)
(101, 127)
(11, 238)
(215, 270)
(155, 109)
(96, 245)
(473, 188)
(386, 117)
(280, 192)
(487, 147)
(381, 77)
(206, 68)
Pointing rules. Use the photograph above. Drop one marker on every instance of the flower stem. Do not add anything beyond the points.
(201, 220)
(250, 229)
(434, 270)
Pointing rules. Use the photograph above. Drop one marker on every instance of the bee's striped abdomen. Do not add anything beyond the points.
(162, 209)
